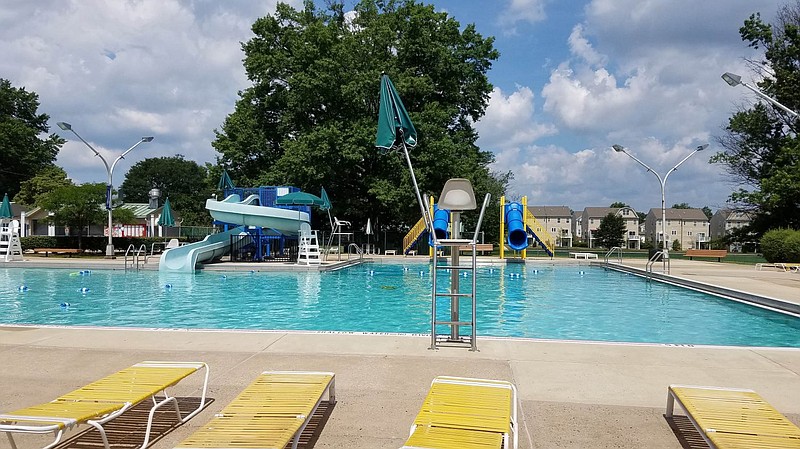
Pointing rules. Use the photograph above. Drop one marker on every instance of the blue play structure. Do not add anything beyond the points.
(515, 220)
(263, 243)
(441, 220)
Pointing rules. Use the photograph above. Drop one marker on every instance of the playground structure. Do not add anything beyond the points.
(517, 222)
(255, 229)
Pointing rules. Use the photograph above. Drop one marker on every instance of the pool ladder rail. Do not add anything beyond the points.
(134, 256)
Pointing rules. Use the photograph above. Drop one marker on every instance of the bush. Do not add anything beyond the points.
(676, 245)
(781, 245)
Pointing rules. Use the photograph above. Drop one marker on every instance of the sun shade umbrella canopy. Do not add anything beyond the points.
(300, 199)
(225, 181)
(166, 218)
(5, 208)
(393, 117)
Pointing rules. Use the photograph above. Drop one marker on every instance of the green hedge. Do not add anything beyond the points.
(89, 243)
(781, 245)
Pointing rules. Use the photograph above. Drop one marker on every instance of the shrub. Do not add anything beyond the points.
(781, 245)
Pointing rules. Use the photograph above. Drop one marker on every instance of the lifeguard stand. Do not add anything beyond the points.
(457, 196)
(10, 246)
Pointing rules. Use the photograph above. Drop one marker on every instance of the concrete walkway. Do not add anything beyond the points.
(572, 395)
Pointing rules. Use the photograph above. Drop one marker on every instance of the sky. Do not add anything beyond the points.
(573, 78)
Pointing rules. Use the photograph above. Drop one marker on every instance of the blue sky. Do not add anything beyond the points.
(574, 78)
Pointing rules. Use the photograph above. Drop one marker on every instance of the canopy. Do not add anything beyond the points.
(300, 199)
(225, 181)
(327, 202)
(5, 208)
(392, 115)
(166, 218)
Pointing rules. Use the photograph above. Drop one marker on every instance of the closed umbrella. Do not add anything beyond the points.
(368, 231)
(166, 218)
(5, 208)
(225, 181)
(326, 204)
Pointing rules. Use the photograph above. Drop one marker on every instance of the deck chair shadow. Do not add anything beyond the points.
(464, 413)
(103, 400)
(733, 418)
(270, 413)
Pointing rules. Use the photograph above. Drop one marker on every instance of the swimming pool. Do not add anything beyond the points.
(550, 302)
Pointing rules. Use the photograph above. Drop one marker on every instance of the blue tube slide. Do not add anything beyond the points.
(441, 218)
(515, 220)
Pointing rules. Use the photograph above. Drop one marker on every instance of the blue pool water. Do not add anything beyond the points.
(562, 302)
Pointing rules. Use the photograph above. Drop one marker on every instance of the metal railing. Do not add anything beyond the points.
(655, 258)
(135, 253)
(413, 235)
(616, 249)
(358, 251)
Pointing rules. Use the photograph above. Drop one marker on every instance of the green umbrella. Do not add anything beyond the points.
(5, 208)
(325, 200)
(394, 122)
(392, 116)
(166, 216)
(225, 181)
(300, 199)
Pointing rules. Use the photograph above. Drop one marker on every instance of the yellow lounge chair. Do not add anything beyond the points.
(269, 413)
(101, 401)
(732, 418)
(464, 413)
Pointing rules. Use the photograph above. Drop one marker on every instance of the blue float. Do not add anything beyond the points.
(23, 288)
(64, 305)
(84, 290)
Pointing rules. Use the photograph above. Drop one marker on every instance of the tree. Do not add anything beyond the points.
(24, 153)
(618, 205)
(762, 151)
(48, 179)
(76, 206)
(611, 231)
(184, 182)
(310, 117)
(681, 206)
(707, 210)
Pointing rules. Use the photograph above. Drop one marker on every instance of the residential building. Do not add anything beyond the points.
(38, 221)
(690, 227)
(557, 220)
(724, 222)
(592, 216)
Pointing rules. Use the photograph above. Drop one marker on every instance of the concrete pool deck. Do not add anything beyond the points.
(572, 394)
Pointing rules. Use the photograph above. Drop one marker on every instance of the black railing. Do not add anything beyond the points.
(265, 248)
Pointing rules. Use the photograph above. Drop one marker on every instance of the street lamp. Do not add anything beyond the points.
(734, 80)
(662, 181)
(110, 171)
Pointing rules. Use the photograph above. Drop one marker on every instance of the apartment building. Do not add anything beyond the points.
(592, 216)
(557, 220)
(690, 227)
(725, 221)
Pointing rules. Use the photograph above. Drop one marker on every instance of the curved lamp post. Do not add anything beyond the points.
(662, 181)
(734, 80)
(110, 171)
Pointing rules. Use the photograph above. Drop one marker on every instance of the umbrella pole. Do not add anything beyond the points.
(422, 208)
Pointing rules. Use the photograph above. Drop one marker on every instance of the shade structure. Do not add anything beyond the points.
(325, 200)
(368, 231)
(5, 208)
(225, 181)
(166, 218)
(393, 119)
(299, 199)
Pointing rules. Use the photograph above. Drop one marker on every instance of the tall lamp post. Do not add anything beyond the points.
(110, 171)
(734, 80)
(663, 182)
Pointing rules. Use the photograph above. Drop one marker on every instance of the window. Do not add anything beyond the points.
(558, 220)
(554, 230)
(689, 233)
(674, 232)
(591, 221)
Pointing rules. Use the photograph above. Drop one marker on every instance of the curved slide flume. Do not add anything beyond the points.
(232, 210)
(517, 237)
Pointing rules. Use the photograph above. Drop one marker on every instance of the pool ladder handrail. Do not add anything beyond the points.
(135, 255)
(653, 259)
(617, 249)
(358, 251)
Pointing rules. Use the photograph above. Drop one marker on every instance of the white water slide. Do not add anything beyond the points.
(232, 210)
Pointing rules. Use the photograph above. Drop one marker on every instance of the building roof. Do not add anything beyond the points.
(680, 214)
(599, 212)
(550, 211)
(731, 215)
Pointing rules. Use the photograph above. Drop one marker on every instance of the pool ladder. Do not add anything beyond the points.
(358, 251)
(135, 253)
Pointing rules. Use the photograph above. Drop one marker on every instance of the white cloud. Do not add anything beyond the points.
(509, 121)
(530, 11)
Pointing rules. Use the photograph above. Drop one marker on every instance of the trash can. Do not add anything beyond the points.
(652, 253)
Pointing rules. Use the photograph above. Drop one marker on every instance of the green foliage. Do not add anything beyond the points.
(23, 153)
(618, 204)
(611, 231)
(76, 206)
(122, 215)
(310, 117)
(46, 180)
(185, 183)
(676, 245)
(681, 206)
(707, 211)
(761, 145)
(781, 245)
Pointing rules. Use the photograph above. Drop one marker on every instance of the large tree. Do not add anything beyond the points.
(45, 181)
(611, 231)
(23, 150)
(184, 182)
(76, 206)
(762, 151)
(310, 117)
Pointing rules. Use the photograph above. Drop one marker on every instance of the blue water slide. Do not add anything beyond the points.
(515, 221)
(441, 219)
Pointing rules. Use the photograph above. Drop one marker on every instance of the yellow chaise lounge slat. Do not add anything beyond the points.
(730, 418)
(101, 401)
(464, 413)
(269, 413)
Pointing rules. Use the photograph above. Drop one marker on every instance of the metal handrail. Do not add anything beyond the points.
(611, 251)
(135, 255)
(653, 260)
(358, 251)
